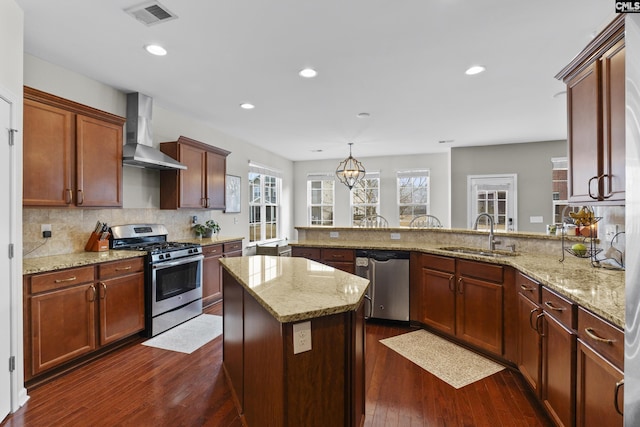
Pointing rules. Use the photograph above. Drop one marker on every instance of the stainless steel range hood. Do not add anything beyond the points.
(138, 150)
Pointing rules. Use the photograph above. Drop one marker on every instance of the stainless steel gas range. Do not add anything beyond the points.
(173, 274)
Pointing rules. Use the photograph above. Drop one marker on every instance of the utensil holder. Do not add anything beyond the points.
(94, 244)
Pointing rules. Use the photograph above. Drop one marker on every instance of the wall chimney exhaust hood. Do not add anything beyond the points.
(138, 150)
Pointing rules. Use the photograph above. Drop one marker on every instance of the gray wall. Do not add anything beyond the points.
(530, 161)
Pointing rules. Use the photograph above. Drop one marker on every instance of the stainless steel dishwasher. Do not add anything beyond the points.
(388, 274)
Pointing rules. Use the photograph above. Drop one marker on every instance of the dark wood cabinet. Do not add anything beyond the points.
(342, 259)
(202, 184)
(75, 312)
(529, 337)
(464, 299)
(595, 82)
(211, 270)
(558, 381)
(72, 153)
(600, 380)
(121, 297)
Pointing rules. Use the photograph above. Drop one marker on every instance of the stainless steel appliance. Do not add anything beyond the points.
(173, 275)
(388, 274)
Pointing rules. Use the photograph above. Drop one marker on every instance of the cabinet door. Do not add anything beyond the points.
(584, 137)
(121, 307)
(529, 342)
(558, 371)
(438, 304)
(62, 326)
(211, 275)
(613, 138)
(192, 180)
(479, 313)
(598, 390)
(48, 153)
(215, 181)
(98, 163)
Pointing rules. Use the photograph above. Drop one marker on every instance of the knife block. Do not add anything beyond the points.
(94, 244)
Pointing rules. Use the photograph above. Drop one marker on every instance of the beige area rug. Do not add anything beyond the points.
(190, 335)
(451, 363)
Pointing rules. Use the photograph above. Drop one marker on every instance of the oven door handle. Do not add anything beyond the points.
(180, 261)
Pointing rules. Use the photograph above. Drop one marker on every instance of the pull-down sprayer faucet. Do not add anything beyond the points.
(492, 241)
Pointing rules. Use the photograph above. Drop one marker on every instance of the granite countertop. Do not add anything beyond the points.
(206, 241)
(60, 262)
(295, 289)
(599, 290)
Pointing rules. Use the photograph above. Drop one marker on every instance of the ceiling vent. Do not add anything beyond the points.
(151, 13)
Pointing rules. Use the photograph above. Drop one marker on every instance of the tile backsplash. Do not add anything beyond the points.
(71, 228)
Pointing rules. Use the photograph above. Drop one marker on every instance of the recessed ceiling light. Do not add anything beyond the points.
(363, 115)
(247, 106)
(476, 69)
(308, 73)
(445, 141)
(155, 49)
(317, 151)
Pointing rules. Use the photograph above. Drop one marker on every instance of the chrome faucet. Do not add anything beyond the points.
(492, 241)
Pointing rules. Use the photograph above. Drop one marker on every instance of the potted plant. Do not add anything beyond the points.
(207, 229)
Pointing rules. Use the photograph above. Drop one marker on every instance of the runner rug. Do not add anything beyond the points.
(190, 335)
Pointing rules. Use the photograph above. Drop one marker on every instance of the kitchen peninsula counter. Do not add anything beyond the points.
(600, 290)
(276, 380)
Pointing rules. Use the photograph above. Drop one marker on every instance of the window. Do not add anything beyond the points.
(495, 195)
(413, 195)
(264, 199)
(365, 198)
(559, 190)
(320, 199)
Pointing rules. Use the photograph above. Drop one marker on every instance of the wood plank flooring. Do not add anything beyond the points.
(144, 386)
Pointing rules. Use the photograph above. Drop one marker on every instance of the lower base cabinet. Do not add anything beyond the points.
(529, 339)
(211, 271)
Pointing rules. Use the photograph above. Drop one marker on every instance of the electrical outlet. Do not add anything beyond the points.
(301, 337)
(395, 236)
(334, 234)
(45, 227)
(235, 219)
(610, 230)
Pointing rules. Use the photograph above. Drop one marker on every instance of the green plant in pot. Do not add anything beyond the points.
(207, 229)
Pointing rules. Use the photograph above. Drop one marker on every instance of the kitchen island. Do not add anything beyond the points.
(294, 341)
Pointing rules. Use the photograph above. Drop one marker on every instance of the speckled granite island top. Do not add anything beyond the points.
(600, 290)
(60, 262)
(295, 289)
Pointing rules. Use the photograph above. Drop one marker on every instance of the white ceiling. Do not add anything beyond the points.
(401, 61)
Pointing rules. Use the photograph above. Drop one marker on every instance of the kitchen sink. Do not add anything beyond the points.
(478, 251)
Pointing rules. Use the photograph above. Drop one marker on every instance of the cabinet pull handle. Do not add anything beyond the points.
(608, 193)
(460, 285)
(92, 296)
(451, 285)
(589, 187)
(334, 256)
(527, 288)
(616, 393)
(550, 305)
(69, 198)
(534, 327)
(592, 334)
(70, 279)
(539, 318)
(80, 197)
(128, 267)
(104, 290)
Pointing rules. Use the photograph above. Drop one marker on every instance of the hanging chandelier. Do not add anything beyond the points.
(350, 170)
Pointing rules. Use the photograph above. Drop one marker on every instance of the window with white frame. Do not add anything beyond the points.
(264, 203)
(495, 195)
(413, 195)
(365, 198)
(320, 199)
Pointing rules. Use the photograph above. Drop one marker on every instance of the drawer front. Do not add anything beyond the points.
(440, 263)
(212, 250)
(232, 246)
(60, 279)
(602, 336)
(120, 268)
(480, 270)
(333, 255)
(310, 253)
(528, 287)
(559, 307)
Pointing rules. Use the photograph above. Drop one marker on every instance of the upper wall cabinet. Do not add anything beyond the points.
(596, 119)
(202, 184)
(72, 153)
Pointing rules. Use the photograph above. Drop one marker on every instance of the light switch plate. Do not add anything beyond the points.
(395, 236)
(301, 337)
(536, 219)
(334, 234)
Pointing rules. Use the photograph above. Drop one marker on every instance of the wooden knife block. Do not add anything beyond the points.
(94, 244)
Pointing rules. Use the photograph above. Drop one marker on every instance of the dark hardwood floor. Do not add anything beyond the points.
(144, 386)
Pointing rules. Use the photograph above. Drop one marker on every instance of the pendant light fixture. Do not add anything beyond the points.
(350, 170)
